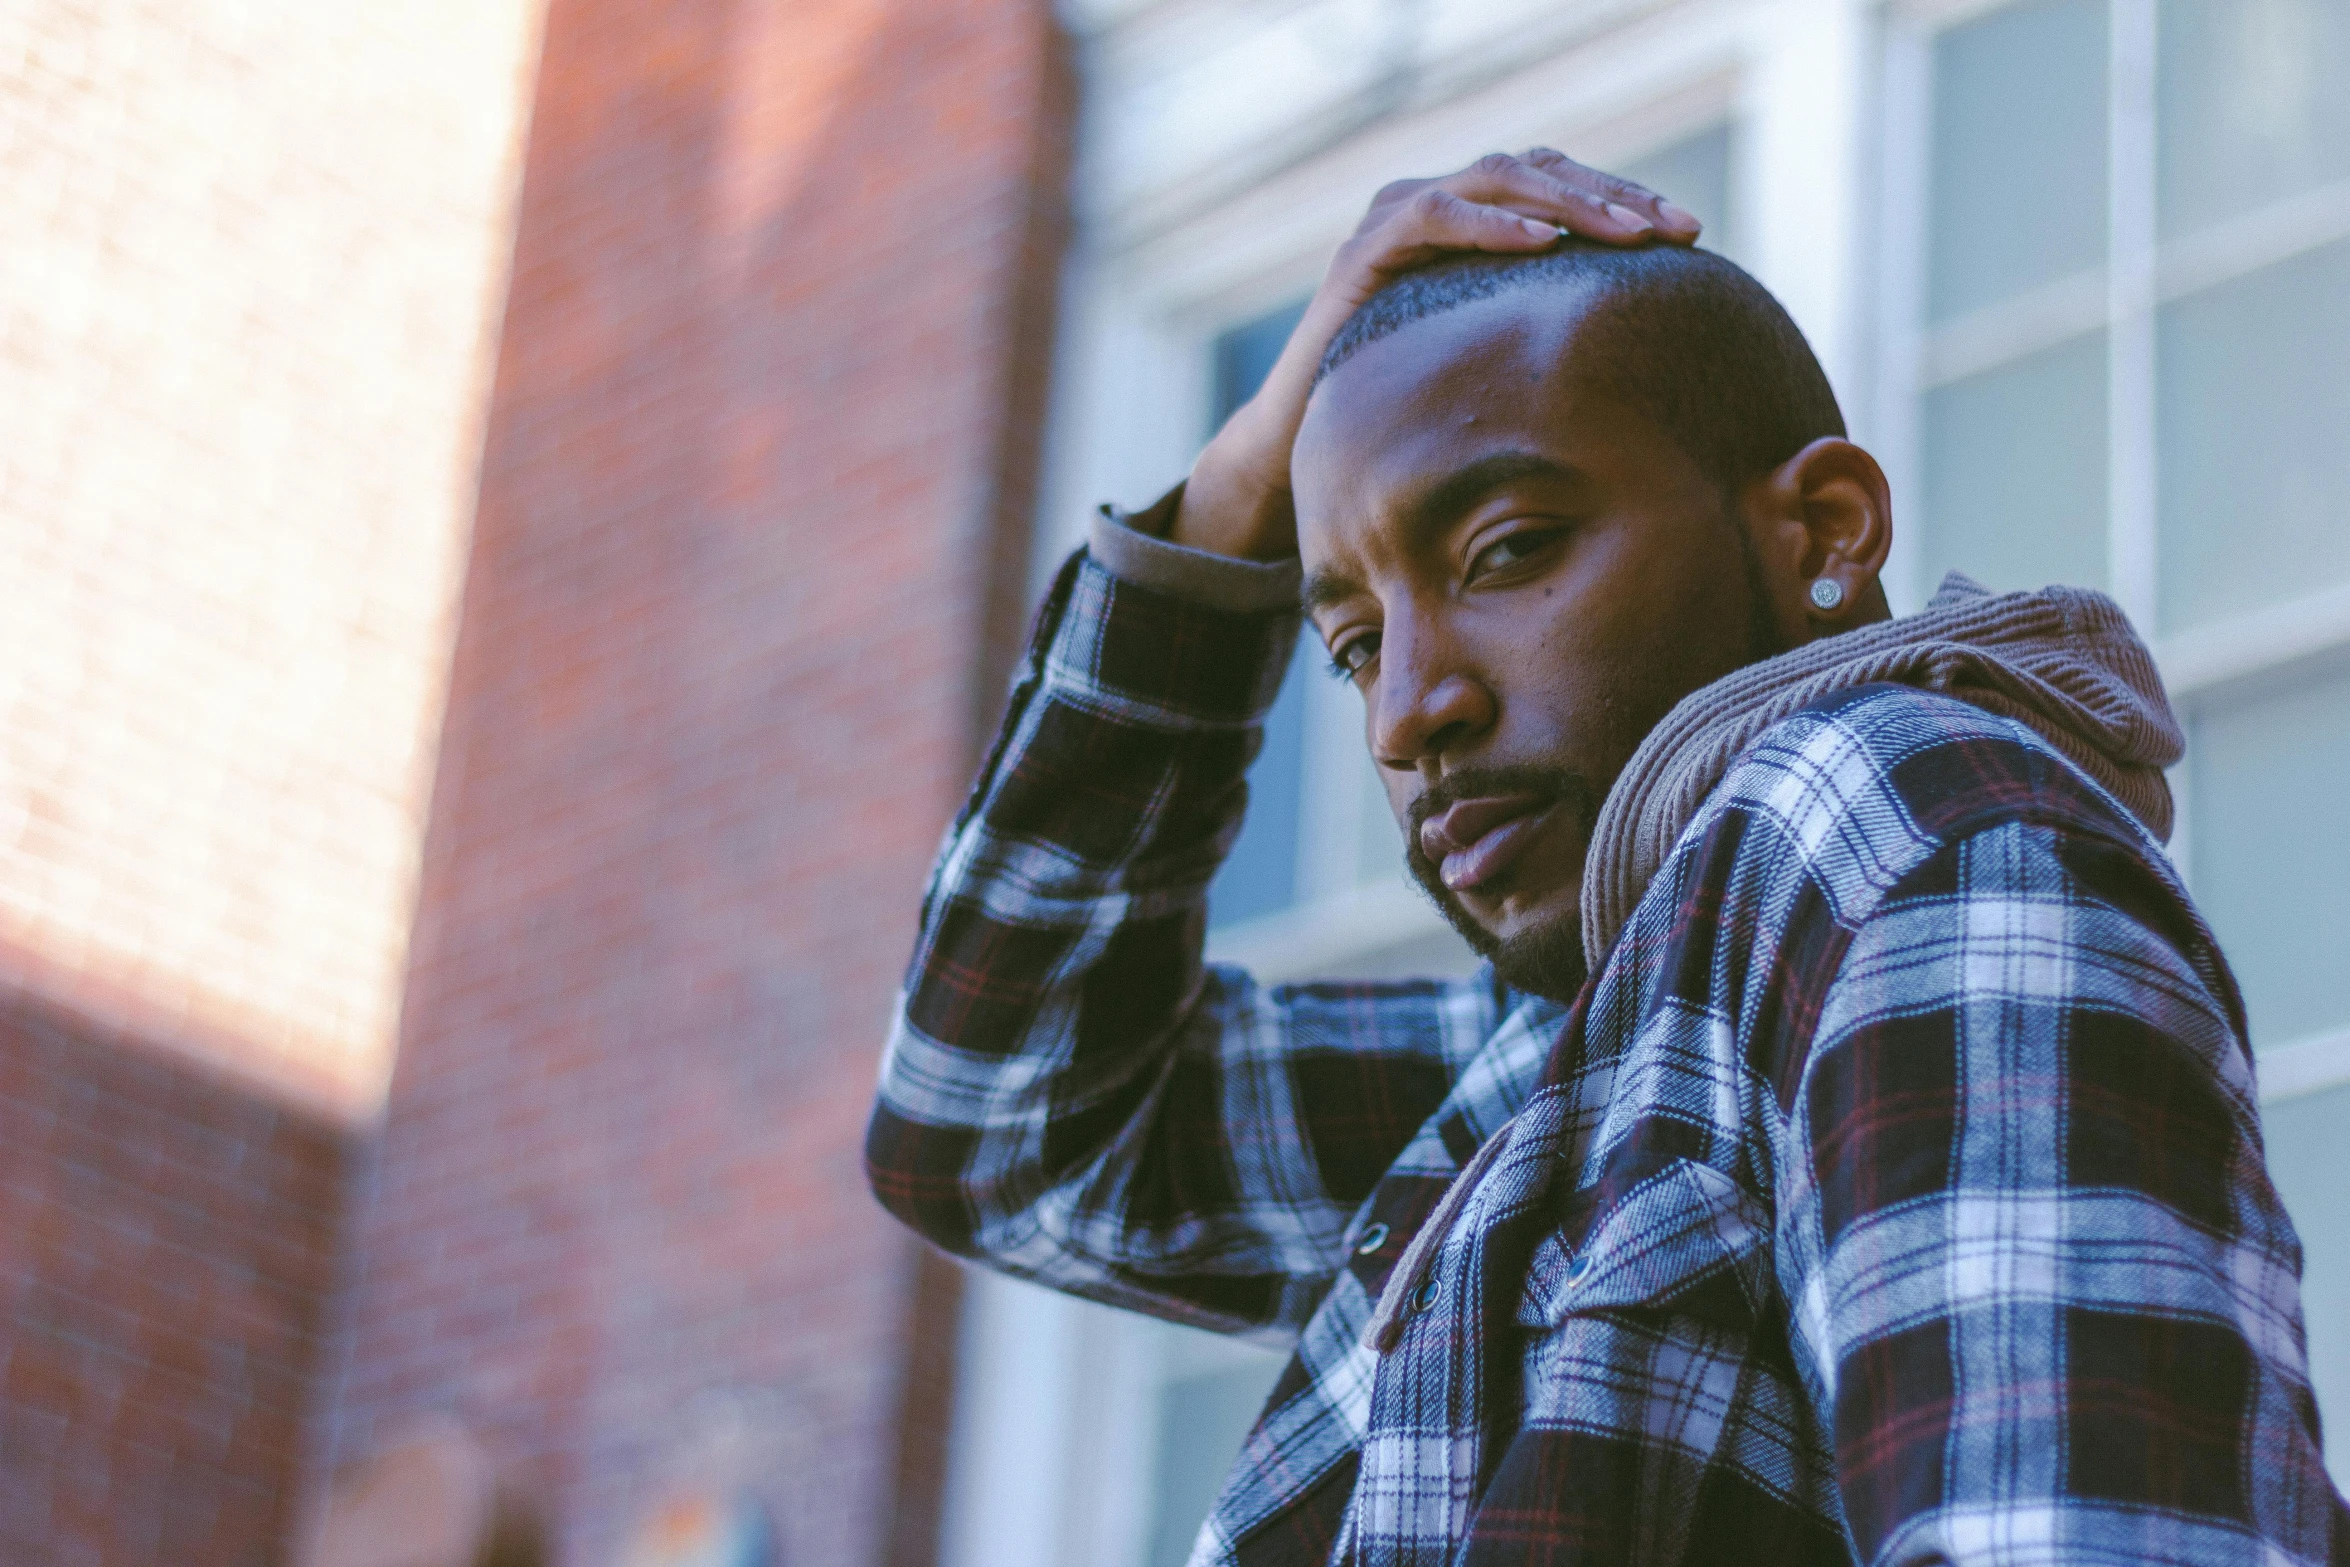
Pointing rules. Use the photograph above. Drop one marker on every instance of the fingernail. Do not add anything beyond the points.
(1541, 230)
(1679, 217)
(1626, 216)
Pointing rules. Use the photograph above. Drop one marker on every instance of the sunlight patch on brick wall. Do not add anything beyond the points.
(255, 255)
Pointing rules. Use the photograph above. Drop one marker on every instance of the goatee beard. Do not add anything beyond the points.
(1547, 959)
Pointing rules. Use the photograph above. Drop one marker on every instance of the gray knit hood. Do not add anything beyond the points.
(2063, 661)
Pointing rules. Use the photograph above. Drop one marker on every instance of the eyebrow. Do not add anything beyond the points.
(1435, 509)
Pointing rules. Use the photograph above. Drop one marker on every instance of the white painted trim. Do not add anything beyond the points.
(1225, 260)
(2132, 571)
(1936, 16)
(1438, 64)
(2005, 331)
(2274, 233)
(2304, 1067)
(2198, 662)
(1803, 135)
(1906, 112)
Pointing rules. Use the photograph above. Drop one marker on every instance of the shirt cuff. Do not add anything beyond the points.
(1128, 545)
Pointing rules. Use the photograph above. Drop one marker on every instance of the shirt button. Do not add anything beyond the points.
(1424, 1298)
(1580, 1268)
(1372, 1239)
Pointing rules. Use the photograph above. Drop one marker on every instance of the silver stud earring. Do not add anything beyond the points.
(1827, 593)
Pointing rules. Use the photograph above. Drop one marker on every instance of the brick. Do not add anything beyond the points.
(742, 576)
(773, 357)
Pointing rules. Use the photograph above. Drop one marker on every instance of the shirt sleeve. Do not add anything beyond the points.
(1070, 1093)
(2049, 1292)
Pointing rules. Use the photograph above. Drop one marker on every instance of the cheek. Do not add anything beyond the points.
(1583, 677)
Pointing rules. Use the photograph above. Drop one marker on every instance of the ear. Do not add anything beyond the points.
(1822, 523)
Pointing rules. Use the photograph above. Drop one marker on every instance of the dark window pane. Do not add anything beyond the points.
(2272, 871)
(1260, 877)
(1245, 355)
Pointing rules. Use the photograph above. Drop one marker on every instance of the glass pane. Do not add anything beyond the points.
(1244, 357)
(2015, 472)
(2254, 397)
(2251, 106)
(1380, 840)
(2018, 173)
(1202, 1422)
(1260, 874)
(2305, 1160)
(2272, 866)
(1695, 173)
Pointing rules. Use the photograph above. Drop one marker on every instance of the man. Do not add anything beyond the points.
(1851, 1152)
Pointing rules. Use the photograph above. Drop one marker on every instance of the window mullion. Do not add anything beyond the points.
(2133, 567)
(1901, 300)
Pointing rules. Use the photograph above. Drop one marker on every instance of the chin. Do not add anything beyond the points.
(1542, 953)
(1544, 957)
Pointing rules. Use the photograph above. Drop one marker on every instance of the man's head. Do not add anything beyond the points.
(1540, 500)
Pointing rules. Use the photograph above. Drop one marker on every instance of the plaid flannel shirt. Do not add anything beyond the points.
(1894, 1193)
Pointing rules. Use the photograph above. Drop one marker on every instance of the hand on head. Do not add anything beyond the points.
(1237, 501)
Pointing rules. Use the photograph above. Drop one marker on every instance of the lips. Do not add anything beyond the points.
(1474, 841)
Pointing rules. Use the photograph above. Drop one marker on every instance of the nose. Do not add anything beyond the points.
(1426, 701)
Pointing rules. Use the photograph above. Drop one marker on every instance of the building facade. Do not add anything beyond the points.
(2080, 273)
(254, 259)
(514, 520)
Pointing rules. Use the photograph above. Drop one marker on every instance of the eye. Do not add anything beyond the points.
(1349, 658)
(1509, 550)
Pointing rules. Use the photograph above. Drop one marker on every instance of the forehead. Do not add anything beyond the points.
(1497, 374)
(1469, 358)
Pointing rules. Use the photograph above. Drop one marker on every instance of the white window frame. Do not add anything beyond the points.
(2208, 664)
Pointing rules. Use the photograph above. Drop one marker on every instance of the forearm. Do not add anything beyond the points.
(1058, 962)
(1068, 1093)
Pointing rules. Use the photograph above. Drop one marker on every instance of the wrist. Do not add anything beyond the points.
(1232, 508)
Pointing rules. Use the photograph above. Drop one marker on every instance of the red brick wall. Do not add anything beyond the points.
(759, 454)
(253, 252)
(166, 1249)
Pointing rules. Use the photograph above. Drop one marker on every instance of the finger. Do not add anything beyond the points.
(1502, 180)
(1435, 222)
(1397, 190)
(1672, 222)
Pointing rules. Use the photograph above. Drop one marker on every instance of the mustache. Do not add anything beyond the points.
(1547, 961)
(1550, 785)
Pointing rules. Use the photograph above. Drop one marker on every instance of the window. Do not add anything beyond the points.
(1318, 827)
(2131, 360)
(2121, 339)
(1260, 875)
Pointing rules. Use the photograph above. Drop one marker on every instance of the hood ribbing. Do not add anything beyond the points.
(2063, 661)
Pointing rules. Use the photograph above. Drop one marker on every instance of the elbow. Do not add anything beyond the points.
(916, 1174)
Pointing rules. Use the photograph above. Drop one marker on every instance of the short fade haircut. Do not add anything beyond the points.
(1684, 335)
